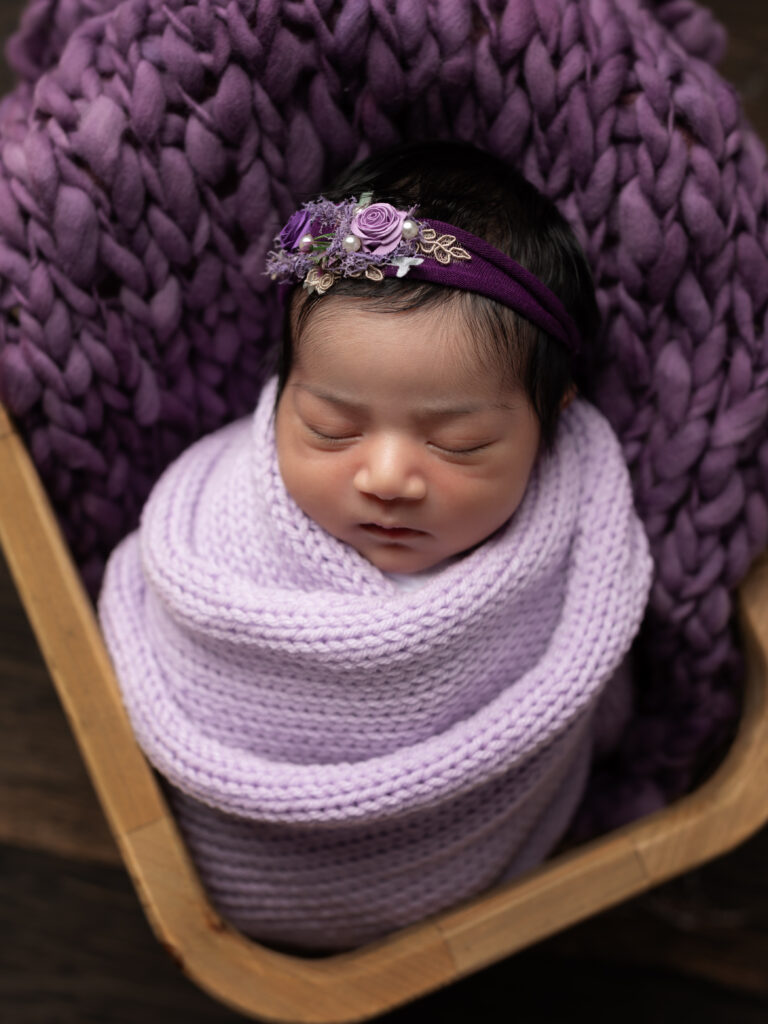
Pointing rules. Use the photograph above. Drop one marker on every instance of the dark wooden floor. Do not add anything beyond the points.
(75, 946)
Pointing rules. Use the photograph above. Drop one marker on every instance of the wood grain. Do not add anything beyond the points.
(46, 798)
(77, 949)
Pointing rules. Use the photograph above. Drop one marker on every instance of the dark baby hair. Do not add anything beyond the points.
(461, 185)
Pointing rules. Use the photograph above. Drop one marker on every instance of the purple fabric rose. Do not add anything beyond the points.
(296, 226)
(379, 227)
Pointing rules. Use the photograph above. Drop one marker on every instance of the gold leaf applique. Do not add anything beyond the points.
(374, 274)
(443, 248)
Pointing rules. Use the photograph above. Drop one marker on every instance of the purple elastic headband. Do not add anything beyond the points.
(324, 241)
(491, 272)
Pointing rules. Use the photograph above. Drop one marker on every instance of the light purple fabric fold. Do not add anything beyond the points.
(348, 757)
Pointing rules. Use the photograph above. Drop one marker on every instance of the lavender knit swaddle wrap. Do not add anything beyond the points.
(350, 757)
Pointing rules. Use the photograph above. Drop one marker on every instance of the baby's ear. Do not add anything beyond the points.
(568, 397)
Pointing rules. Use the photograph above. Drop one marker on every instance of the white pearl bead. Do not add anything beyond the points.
(410, 228)
(305, 243)
(351, 243)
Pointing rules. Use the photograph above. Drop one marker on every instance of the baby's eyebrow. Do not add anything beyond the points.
(437, 412)
(433, 412)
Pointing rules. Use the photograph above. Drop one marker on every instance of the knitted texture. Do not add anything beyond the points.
(153, 149)
(352, 756)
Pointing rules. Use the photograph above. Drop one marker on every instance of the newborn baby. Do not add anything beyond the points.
(369, 634)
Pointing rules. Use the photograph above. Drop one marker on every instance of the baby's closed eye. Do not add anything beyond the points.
(461, 448)
(332, 433)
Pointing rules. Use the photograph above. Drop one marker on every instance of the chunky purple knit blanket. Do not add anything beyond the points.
(349, 757)
(153, 148)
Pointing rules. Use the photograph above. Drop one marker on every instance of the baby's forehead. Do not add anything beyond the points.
(455, 331)
(427, 355)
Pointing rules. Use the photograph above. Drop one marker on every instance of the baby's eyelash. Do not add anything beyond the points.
(462, 451)
(340, 438)
(329, 437)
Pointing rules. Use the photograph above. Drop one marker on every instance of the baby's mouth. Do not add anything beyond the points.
(393, 532)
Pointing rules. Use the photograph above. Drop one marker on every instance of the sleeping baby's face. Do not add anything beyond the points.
(393, 436)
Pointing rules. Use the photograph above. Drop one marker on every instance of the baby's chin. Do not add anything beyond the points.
(399, 558)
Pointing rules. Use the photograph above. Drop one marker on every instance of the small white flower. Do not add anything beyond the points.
(404, 264)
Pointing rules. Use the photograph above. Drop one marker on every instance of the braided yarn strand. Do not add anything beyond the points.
(152, 149)
(347, 757)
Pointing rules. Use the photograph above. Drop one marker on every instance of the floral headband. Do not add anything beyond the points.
(325, 241)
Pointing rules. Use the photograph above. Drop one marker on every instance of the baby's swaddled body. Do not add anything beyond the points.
(345, 756)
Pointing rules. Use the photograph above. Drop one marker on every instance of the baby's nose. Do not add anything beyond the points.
(389, 471)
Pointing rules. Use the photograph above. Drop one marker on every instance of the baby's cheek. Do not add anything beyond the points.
(468, 487)
(300, 480)
(485, 501)
(292, 465)
(312, 485)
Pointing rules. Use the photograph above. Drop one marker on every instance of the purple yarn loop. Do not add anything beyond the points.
(491, 272)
